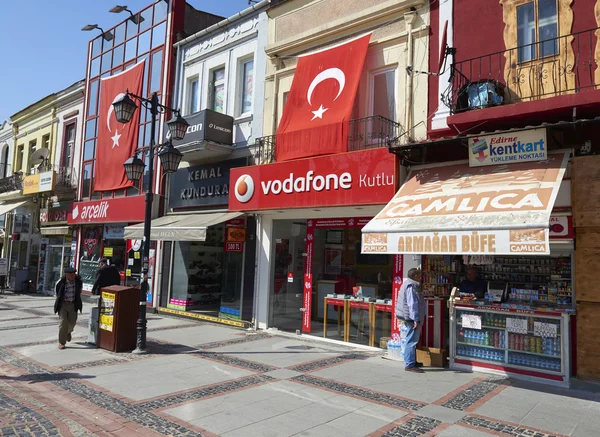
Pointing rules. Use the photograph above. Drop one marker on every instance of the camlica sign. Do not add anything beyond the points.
(508, 148)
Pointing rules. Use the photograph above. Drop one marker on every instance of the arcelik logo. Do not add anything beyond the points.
(244, 188)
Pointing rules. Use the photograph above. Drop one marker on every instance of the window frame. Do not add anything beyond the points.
(65, 145)
(536, 56)
(371, 83)
(192, 106)
(212, 85)
(240, 87)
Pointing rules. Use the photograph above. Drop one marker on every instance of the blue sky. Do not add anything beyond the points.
(42, 47)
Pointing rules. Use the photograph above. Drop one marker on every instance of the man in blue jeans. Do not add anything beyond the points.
(410, 308)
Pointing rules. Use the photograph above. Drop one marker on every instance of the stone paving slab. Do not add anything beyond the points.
(194, 336)
(139, 380)
(76, 352)
(280, 351)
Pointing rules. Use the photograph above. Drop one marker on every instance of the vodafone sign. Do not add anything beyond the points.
(355, 178)
(117, 210)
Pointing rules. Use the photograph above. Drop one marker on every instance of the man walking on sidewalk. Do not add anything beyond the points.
(68, 302)
(410, 308)
(106, 276)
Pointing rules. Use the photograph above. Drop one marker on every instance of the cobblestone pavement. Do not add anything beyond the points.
(202, 379)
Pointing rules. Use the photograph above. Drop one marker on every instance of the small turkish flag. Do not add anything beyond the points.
(116, 141)
(319, 105)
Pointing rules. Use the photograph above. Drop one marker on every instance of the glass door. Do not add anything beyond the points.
(59, 257)
(286, 297)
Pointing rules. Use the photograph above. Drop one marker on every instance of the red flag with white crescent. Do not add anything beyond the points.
(319, 105)
(116, 141)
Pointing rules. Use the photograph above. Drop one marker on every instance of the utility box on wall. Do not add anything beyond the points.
(119, 309)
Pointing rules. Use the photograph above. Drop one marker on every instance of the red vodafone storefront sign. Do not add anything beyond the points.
(355, 178)
(117, 210)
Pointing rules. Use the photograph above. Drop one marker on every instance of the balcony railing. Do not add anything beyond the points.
(11, 183)
(66, 178)
(557, 66)
(363, 133)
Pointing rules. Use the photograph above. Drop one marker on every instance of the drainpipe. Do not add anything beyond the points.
(409, 18)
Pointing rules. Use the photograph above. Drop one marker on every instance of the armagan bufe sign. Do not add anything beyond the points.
(202, 185)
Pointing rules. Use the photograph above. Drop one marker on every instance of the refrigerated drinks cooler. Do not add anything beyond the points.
(532, 345)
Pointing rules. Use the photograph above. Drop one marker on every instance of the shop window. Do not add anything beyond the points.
(132, 29)
(246, 86)
(217, 90)
(145, 19)
(160, 12)
(87, 181)
(205, 277)
(88, 150)
(193, 97)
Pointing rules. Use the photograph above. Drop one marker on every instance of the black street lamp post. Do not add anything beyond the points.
(170, 158)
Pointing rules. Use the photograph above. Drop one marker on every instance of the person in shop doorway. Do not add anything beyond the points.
(410, 308)
(473, 285)
(106, 276)
(68, 302)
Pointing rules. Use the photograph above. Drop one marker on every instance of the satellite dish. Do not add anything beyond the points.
(443, 47)
(39, 156)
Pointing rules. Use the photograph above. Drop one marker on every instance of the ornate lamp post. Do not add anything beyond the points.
(170, 158)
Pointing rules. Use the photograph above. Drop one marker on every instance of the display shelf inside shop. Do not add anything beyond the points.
(439, 275)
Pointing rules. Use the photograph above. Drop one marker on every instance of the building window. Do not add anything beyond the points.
(68, 146)
(383, 93)
(246, 86)
(537, 21)
(32, 148)
(193, 100)
(46, 141)
(20, 153)
(217, 90)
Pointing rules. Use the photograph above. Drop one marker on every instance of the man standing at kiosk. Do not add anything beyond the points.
(410, 308)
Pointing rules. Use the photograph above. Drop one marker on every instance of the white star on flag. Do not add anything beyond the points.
(115, 139)
(319, 112)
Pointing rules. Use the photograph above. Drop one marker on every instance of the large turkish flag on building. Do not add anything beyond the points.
(116, 141)
(319, 105)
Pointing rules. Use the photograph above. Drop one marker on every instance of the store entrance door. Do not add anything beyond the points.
(59, 257)
(286, 297)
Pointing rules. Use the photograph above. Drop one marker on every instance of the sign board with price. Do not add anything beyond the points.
(234, 247)
(471, 321)
(517, 326)
(545, 330)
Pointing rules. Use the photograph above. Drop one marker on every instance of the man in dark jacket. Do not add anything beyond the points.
(68, 302)
(106, 276)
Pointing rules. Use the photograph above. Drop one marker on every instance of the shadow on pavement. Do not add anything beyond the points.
(45, 377)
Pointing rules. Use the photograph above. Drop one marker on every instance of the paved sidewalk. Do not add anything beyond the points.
(202, 379)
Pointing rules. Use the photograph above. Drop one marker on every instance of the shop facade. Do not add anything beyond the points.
(208, 251)
(100, 226)
(309, 216)
(511, 225)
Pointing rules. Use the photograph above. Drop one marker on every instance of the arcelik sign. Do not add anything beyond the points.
(117, 210)
(355, 178)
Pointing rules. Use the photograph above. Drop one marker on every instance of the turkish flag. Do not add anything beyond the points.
(116, 141)
(315, 116)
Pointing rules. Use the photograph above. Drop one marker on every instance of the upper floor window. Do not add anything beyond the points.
(20, 153)
(217, 90)
(246, 86)
(383, 93)
(193, 98)
(537, 21)
(68, 146)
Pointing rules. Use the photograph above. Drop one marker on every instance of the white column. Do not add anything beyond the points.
(442, 112)
(264, 234)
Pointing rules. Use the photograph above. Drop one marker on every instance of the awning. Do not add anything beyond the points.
(9, 206)
(56, 230)
(456, 209)
(180, 227)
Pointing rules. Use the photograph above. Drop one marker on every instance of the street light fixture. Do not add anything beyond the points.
(170, 158)
(108, 36)
(136, 18)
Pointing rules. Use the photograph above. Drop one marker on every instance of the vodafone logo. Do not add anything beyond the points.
(244, 188)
